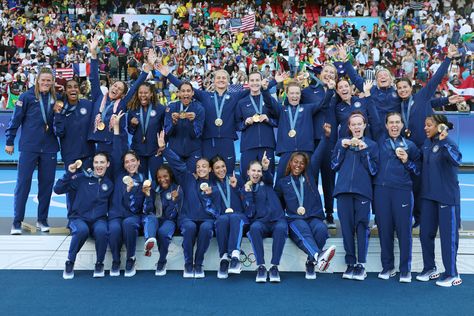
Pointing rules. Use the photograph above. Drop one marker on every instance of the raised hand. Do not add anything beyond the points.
(327, 129)
(368, 84)
(265, 161)
(161, 139)
(233, 180)
(452, 51)
(281, 76)
(58, 106)
(134, 121)
(455, 99)
(401, 154)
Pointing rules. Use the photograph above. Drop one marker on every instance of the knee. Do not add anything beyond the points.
(188, 228)
(281, 229)
(222, 221)
(255, 229)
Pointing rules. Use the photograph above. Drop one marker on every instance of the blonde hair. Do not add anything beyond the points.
(52, 90)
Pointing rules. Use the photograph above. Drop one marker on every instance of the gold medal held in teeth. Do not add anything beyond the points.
(101, 126)
(256, 118)
(229, 210)
(218, 122)
(301, 210)
(292, 133)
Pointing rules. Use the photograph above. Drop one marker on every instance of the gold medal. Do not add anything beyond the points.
(301, 210)
(101, 126)
(59, 104)
(229, 210)
(203, 186)
(442, 128)
(127, 180)
(399, 151)
(407, 132)
(143, 139)
(256, 118)
(292, 133)
(146, 183)
(182, 115)
(218, 122)
(78, 164)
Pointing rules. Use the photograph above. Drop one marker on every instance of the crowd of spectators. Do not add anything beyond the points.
(410, 40)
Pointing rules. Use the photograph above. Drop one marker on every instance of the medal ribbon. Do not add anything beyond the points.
(147, 120)
(299, 193)
(216, 105)
(259, 109)
(406, 115)
(291, 118)
(225, 196)
(43, 109)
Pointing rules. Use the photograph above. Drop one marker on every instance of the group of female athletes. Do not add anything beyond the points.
(390, 152)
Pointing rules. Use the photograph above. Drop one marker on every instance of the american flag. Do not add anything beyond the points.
(67, 73)
(161, 43)
(246, 24)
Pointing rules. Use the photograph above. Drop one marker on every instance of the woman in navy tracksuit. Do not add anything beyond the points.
(316, 92)
(38, 147)
(256, 125)
(399, 161)
(184, 122)
(267, 218)
(144, 122)
(440, 194)
(295, 124)
(231, 221)
(169, 198)
(88, 216)
(105, 106)
(356, 161)
(71, 126)
(132, 206)
(196, 219)
(298, 191)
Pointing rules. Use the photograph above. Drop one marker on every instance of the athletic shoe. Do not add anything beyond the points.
(405, 277)
(188, 271)
(160, 269)
(387, 274)
(427, 275)
(235, 266)
(130, 268)
(99, 270)
(310, 273)
(449, 281)
(149, 245)
(261, 274)
(223, 272)
(16, 229)
(274, 274)
(115, 269)
(198, 271)
(68, 272)
(330, 221)
(359, 273)
(349, 273)
(43, 226)
(325, 258)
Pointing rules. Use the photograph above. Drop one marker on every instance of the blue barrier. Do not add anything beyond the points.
(463, 134)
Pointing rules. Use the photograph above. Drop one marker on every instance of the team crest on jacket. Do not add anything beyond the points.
(168, 196)
(435, 148)
(153, 113)
(357, 104)
(167, 109)
(19, 103)
(104, 187)
(394, 94)
(83, 111)
(301, 110)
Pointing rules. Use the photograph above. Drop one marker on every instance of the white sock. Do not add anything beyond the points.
(316, 256)
(235, 254)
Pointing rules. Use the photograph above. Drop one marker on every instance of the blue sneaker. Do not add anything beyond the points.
(274, 274)
(130, 269)
(99, 270)
(188, 271)
(223, 272)
(387, 274)
(198, 271)
(349, 273)
(310, 271)
(235, 266)
(68, 272)
(427, 274)
(160, 269)
(359, 273)
(261, 274)
(115, 269)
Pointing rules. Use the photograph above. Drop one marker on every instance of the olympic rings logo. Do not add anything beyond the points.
(247, 260)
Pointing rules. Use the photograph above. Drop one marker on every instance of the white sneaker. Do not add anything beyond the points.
(15, 230)
(427, 275)
(449, 281)
(325, 258)
(149, 245)
(387, 274)
(405, 277)
(44, 227)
